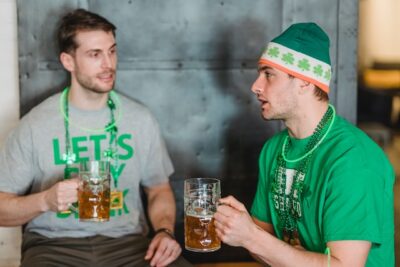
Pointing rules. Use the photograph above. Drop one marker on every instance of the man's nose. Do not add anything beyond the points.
(258, 85)
(107, 61)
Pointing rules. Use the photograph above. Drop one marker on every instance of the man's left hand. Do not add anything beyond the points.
(162, 250)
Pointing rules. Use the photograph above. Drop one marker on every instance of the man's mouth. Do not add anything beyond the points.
(106, 77)
(262, 101)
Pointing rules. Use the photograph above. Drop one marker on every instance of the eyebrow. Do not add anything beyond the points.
(264, 68)
(99, 50)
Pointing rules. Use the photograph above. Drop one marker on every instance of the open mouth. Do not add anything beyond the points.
(106, 77)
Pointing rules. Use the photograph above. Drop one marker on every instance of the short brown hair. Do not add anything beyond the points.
(321, 94)
(79, 20)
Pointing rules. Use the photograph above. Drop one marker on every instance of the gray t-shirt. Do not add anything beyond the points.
(31, 161)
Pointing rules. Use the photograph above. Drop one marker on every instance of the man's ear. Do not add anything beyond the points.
(67, 61)
(305, 87)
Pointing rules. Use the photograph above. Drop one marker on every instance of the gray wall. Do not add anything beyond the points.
(192, 63)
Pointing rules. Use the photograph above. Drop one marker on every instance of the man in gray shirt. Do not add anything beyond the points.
(88, 121)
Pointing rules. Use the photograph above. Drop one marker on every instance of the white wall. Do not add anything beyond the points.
(10, 238)
(379, 35)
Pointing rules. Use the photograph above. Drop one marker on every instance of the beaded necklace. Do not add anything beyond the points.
(110, 153)
(288, 206)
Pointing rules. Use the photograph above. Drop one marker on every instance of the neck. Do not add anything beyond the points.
(306, 119)
(86, 99)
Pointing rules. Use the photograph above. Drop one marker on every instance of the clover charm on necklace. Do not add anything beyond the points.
(69, 157)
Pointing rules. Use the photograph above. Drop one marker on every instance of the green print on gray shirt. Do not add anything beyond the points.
(99, 143)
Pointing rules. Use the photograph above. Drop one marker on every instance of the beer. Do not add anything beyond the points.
(94, 201)
(201, 196)
(200, 235)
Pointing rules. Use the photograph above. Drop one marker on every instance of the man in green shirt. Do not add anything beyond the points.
(325, 190)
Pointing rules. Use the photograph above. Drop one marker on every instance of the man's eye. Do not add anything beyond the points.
(267, 74)
(95, 54)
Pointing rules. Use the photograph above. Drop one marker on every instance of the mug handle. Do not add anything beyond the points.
(74, 207)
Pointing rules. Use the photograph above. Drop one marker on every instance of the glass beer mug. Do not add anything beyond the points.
(201, 196)
(94, 191)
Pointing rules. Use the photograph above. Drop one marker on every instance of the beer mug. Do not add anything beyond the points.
(94, 191)
(201, 196)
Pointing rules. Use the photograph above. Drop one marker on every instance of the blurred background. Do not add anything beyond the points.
(204, 55)
(378, 101)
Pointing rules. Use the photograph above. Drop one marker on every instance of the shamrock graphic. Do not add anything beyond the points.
(288, 58)
(304, 64)
(273, 51)
(318, 70)
(116, 201)
(327, 75)
(110, 153)
(111, 127)
(69, 157)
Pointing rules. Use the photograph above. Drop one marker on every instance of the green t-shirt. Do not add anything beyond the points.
(347, 193)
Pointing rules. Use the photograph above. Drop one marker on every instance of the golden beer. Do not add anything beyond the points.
(201, 196)
(200, 235)
(94, 201)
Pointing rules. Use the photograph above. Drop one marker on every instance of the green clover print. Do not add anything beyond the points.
(304, 64)
(288, 58)
(318, 70)
(273, 52)
(327, 75)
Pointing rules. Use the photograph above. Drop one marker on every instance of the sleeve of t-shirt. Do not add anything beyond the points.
(17, 160)
(260, 207)
(354, 204)
(157, 166)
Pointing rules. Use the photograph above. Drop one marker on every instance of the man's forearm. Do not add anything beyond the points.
(161, 207)
(235, 227)
(275, 252)
(18, 210)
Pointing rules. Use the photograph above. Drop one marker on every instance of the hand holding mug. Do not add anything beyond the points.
(233, 223)
(60, 196)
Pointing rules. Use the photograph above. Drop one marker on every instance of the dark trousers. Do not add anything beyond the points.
(96, 251)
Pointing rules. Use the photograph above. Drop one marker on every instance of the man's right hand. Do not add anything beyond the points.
(60, 196)
(18, 210)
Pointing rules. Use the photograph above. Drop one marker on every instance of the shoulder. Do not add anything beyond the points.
(136, 113)
(48, 108)
(273, 145)
(42, 114)
(35, 123)
(347, 147)
(348, 137)
(133, 106)
(275, 141)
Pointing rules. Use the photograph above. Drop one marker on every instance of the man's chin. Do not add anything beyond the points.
(102, 89)
(268, 117)
(104, 86)
(107, 86)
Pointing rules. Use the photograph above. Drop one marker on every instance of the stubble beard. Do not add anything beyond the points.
(279, 112)
(270, 114)
(270, 117)
(89, 83)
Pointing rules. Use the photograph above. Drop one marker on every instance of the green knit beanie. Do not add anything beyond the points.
(302, 51)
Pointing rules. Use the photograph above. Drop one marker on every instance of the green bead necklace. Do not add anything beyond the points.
(111, 153)
(288, 206)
